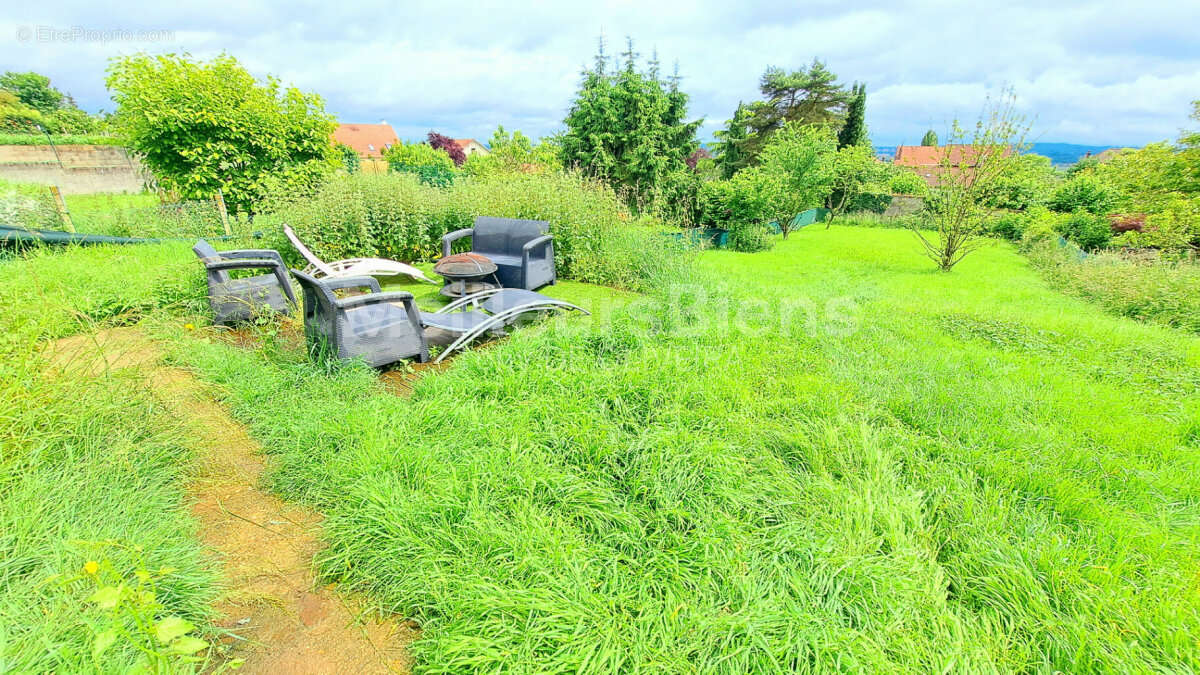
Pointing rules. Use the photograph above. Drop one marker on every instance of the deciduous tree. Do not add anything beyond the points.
(206, 126)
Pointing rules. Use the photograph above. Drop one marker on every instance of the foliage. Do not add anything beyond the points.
(913, 470)
(854, 131)
(447, 145)
(395, 216)
(200, 127)
(1089, 230)
(800, 97)
(349, 157)
(56, 139)
(627, 127)
(514, 153)
(930, 138)
(16, 118)
(33, 90)
(965, 182)
(795, 173)
(1026, 180)
(1148, 290)
(694, 159)
(904, 181)
(855, 176)
(731, 149)
(433, 166)
(1082, 192)
(749, 237)
(1174, 227)
(1145, 179)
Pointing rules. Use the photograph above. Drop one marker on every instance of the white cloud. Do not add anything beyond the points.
(1095, 72)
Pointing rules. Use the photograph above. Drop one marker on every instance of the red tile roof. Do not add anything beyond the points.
(370, 140)
(932, 155)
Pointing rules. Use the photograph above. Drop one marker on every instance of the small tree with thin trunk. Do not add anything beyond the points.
(969, 168)
(854, 173)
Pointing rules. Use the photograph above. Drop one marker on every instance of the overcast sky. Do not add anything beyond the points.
(1109, 72)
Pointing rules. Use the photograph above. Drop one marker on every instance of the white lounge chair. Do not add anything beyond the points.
(351, 267)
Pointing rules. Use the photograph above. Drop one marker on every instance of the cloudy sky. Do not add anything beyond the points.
(1107, 72)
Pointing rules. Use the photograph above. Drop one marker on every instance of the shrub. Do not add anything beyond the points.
(905, 182)
(446, 144)
(1082, 192)
(749, 237)
(1089, 230)
(1008, 225)
(431, 165)
(1176, 227)
(396, 216)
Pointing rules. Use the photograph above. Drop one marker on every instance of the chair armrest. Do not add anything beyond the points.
(242, 254)
(451, 237)
(374, 299)
(543, 240)
(342, 283)
(247, 264)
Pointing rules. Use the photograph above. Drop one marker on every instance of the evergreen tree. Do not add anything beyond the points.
(627, 126)
(730, 147)
(930, 138)
(854, 131)
(807, 96)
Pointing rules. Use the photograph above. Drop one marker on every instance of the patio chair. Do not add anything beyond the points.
(351, 267)
(234, 300)
(522, 250)
(489, 311)
(380, 328)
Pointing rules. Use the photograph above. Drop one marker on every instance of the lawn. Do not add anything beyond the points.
(826, 456)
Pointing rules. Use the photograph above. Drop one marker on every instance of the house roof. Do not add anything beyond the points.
(369, 140)
(464, 142)
(932, 155)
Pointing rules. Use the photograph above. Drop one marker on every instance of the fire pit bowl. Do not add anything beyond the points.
(466, 273)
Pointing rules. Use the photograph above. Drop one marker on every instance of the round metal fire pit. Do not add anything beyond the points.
(466, 273)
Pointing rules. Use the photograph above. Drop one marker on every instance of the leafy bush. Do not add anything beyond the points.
(749, 237)
(1083, 192)
(446, 144)
(1008, 225)
(431, 165)
(905, 182)
(396, 216)
(1089, 230)
(1025, 181)
(1176, 227)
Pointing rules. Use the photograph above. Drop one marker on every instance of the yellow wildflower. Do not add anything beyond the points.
(91, 567)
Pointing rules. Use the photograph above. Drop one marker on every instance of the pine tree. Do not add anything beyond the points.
(930, 138)
(808, 96)
(730, 147)
(627, 126)
(854, 131)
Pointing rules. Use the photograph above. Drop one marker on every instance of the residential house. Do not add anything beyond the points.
(931, 161)
(369, 140)
(470, 146)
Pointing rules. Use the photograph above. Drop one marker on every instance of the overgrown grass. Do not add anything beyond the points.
(1159, 291)
(916, 471)
(91, 467)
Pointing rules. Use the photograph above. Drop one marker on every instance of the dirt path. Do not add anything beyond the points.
(285, 622)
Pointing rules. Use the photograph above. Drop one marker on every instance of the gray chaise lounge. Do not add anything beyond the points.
(234, 300)
(380, 328)
(490, 311)
(522, 249)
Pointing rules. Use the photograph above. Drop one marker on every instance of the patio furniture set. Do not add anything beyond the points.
(493, 285)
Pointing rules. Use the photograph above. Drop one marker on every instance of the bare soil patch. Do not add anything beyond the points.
(279, 619)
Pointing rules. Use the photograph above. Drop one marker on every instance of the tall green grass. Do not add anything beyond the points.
(91, 467)
(916, 471)
(396, 216)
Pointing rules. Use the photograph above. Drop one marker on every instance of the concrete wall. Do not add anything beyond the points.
(75, 169)
(903, 205)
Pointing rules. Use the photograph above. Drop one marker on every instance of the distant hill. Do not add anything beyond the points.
(1060, 154)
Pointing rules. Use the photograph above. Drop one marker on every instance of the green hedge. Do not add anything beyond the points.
(58, 139)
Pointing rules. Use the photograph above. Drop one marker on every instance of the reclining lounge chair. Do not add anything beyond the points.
(351, 267)
(380, 328)
(234, 300)
(488, 311)
(522, 250)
